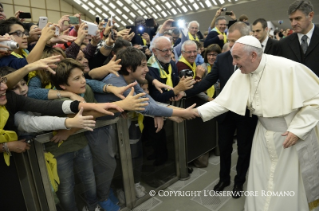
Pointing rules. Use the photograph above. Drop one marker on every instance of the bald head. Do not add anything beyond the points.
(162, 49)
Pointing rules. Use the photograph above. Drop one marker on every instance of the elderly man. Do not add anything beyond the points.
(302, 46)
(285, 149)
(260, 31)
(217, 35)
(162, 68)
(187, 60)
(193, 28)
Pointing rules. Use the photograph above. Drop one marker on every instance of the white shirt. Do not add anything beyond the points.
(309, 35)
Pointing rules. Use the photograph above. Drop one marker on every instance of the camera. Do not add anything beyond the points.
(91, 27)
(140, 29)
(186, 73)
(57, 30)
(224, 9)
(11, 44)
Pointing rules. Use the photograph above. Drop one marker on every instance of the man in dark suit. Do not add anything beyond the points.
(303, 45)
(229, 122)
(260, 31)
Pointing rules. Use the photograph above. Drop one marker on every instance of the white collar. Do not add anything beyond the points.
(264, 43)
(309, 34)
(260, 66)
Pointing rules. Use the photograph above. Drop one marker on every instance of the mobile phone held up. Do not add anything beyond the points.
(42, 22)
(74, 20)
(25, 15)
(228, 13)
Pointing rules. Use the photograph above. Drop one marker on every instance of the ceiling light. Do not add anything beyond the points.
(143, 4)
(126, 9)
(134, 7)
(78, 1)
(112, 5)
(184, 8)
(158, 8)
(85, 6)
(91, 4)
(98, 10)
(214, 2)
(179, 2)
(119, 3)
(195, 6)
(118, 11)
(92, 12)
(208, 3)
(164, 13)
(174, 11)
(97, 2)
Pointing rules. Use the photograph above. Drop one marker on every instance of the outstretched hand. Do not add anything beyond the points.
(45, 64)
(118, 91)
(80, 121)
(134, 102)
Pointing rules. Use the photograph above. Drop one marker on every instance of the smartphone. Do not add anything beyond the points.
(228, 13)
(105, 22)
(112, 35)
(74, 20)
(97, 20)
(25, 15)
(140, 29)
(92, 28)
(149, 22)
(224, 9)
(42, 22)
(57, 30)
(174, 24)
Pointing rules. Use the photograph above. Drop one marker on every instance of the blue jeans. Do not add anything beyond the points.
(101, 142)
(81, 162)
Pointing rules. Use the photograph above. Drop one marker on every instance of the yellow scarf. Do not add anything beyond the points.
(24, 53)
(140, 119)
(211, 90)
(225, 37)
(52, 168)
(190, 36)
(168, 76)
(33, 74)
(192, 67)
(6, 135)
(144, 41)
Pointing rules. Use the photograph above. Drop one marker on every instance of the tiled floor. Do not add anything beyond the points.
(197, 192)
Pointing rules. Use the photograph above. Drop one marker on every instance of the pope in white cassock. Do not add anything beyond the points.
(284, 162)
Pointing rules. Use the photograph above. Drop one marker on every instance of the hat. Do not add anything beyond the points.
(249, 40)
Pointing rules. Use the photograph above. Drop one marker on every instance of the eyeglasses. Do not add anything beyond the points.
(213, 54)
(165, 50)
(190, 52)
(19, 33)
(3, 80)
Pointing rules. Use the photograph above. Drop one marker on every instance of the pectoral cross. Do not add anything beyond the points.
(251, 110)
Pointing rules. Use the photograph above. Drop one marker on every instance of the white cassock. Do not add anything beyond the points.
(287, 99)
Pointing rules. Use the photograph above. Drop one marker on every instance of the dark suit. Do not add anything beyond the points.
(271, 47)
(290, 48)
(212, 38)
(229, 122)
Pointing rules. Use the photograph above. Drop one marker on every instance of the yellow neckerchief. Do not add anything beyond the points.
(225, 37)
(192, 67)
(34, 74)
(211, 90)
(140, 117)
(152, 62)
(191, 37)
(144, 41)
(6, 135)
(52, 168)
(25, 53)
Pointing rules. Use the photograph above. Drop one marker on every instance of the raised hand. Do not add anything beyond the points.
(45, 64)
(159, 86)
(48, 32)
(62, 39)
(114, 66)
(158, 123)
(79, 121)
(63, 19)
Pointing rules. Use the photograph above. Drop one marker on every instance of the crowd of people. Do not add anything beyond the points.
(268, 85)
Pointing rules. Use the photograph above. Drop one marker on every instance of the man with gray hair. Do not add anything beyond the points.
(193, 28)
(302, 46)
(187, 60)
(229, 122)
(284, 156)
(217, 35)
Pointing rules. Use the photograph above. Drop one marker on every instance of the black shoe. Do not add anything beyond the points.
(221, 185)
(237, 191)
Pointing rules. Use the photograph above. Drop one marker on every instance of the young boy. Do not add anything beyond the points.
(74, 152)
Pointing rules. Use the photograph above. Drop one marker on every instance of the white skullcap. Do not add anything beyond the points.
(249, 40)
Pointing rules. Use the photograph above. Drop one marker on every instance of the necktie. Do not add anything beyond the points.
(304, 44)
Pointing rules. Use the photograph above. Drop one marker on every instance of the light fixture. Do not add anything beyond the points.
(184, 9)
(119, 3)
(118, 11)
(78, 2)
(98, 10)
(98, 2)
(92, 12)
(208, 3)
(195, 6)
(85, 6)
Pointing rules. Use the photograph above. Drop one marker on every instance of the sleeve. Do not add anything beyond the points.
(96, 86)
(181, 66)
(89, 51)
(211, 38)
(97, 60)
(72, 51)
(178, 48)
(202, 96)
(35, 124)
(73, 33)
(305, 119)
(210, 110)
(12, 61)
(35, 90)
(209, 80)
(149, 78)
